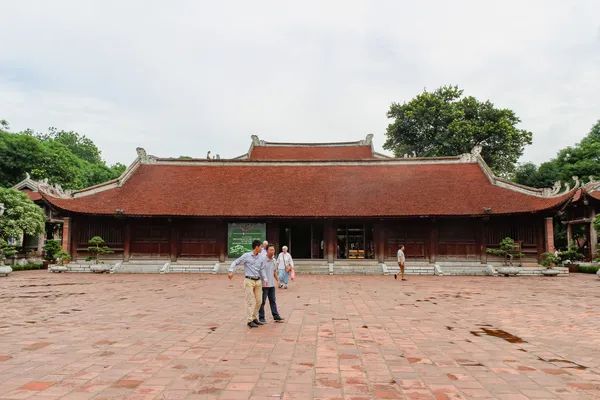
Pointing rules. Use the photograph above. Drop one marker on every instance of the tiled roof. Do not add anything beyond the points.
(308, 189)
(274, 152)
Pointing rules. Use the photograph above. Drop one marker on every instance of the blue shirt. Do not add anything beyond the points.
(254, 266)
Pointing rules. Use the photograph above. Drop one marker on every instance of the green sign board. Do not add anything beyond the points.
(240, 237)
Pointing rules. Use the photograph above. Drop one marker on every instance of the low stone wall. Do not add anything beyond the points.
(443, 269)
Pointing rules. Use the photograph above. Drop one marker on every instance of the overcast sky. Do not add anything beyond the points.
(184, 77)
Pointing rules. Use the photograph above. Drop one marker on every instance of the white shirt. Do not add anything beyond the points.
(283, 260)
(401, 257)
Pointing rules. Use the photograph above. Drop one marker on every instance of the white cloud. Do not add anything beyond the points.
(188, 77)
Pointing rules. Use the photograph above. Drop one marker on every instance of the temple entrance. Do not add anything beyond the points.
(304, 240)
(354, 242)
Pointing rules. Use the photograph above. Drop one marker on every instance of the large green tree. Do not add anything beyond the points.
(65, 158)
(582, 160)
(446, 123)
(21, 215)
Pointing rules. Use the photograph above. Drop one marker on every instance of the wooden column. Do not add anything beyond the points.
(569, 234)
(66, 234)
(330, 241)
(549, 234)
(481, 239)
(273, 236)
(222, 240)
(433, 241)
(174, 242)
(540, 240)
(593, 236)
(127, 241)
(379, 238)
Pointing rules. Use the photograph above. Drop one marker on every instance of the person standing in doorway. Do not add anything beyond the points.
(285, 265)
(268, 291)
(401, 261)
(254, 270)
(263, 250)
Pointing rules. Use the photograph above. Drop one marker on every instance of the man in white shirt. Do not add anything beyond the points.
(401, 261)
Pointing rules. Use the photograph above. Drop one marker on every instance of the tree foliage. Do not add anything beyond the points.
(65, 158)
(582, 160)
(446, 123)
(97, 247)
(21, 215)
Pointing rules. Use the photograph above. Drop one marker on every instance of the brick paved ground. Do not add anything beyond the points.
(82, 336)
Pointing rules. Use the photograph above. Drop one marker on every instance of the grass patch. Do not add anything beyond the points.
(588, 269)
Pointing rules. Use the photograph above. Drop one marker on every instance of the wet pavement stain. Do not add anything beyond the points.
(499, 333)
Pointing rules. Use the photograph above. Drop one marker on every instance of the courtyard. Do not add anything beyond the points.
(84, 336)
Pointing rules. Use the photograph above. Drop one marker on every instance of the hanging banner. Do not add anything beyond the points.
(240, 237)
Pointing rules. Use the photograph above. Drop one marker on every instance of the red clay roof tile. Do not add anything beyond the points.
(273, 152)
(369, 189)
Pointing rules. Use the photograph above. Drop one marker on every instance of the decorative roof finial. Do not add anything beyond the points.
(208, 155)
(144, 157)
(27, 175)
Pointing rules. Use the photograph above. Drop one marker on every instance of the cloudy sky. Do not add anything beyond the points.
(184, 77)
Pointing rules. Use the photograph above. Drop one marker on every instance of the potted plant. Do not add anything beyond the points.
(550, 260)
(6, 250)
(50, 249)
(97, 247)
(62, 257)
(570, 257)
(508, 250)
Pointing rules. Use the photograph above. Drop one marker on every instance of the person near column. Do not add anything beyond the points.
(254, 270)
(268, 291)
(285, 264)
(263, 250)
(401, 261)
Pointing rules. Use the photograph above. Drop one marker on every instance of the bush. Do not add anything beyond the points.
(27, 267)
(588, 269)
(97, 248)
(549, 260)
(573, 255)
(508, 249)
(51, 248)
(62, 257)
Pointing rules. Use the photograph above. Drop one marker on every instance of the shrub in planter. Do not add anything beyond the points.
(97, 247)
(62, 257)
(50, 249)
(508, 249)
(549, 260)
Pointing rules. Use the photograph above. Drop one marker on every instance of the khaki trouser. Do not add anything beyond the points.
(253, 298)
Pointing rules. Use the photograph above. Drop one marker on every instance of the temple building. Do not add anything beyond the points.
(580, 215)
(335, 205)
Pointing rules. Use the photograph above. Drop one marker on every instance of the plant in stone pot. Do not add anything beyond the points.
(508, 250)
(570, 258)
(62, 257)
(97, 247)
(6, 250)
(550, 260)
(50, 249)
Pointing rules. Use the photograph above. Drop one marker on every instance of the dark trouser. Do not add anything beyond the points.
(270, 293)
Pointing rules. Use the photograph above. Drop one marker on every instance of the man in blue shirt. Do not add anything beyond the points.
(254, 270)
(268, 290)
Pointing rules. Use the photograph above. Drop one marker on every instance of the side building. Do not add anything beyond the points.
(337, 206)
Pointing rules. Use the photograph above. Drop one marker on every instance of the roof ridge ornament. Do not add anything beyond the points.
(144, 157)
(473, 156)
(53, 190)
(256, 141)
(554, 191)
(368, 141)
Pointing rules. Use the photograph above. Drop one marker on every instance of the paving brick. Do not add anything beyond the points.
(143, 336)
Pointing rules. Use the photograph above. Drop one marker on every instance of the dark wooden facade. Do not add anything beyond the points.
(426, 239)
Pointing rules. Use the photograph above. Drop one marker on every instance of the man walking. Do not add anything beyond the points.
(269, 289)
(401, 261)
(254, 269)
